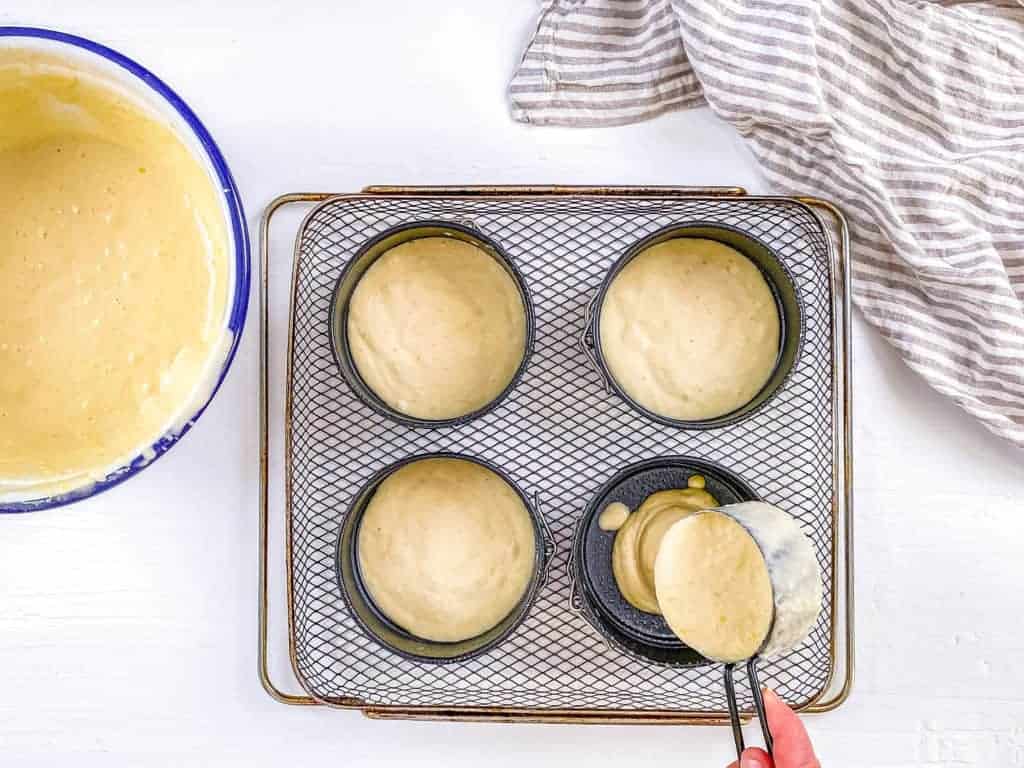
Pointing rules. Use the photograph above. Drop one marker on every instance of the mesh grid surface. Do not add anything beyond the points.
(560, 435)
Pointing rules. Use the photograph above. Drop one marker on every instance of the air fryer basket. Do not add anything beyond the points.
(558, 433)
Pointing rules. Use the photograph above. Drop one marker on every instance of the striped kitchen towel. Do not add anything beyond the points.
(909, 114)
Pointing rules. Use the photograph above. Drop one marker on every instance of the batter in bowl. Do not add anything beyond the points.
(446, 549)
(437, 328)
(113, 276)
(690, 329)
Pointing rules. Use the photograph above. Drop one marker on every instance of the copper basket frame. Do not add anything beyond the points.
(842, 654)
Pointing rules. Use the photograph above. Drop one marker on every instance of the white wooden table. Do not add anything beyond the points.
(127, 622)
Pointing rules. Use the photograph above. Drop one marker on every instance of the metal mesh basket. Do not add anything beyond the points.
(560, 435)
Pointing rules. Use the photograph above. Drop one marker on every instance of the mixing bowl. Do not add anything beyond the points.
(152, 94)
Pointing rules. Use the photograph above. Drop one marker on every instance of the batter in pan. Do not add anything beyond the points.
(446, 549)
(690, 329)
(437, 328)
(639, 538)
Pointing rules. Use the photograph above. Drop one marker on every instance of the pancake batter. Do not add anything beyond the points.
(714, 588)
(446, 549)
(690, 329)
(437, 328)
(739, 580)
(639, 539)
(113, 276)
(613, 516)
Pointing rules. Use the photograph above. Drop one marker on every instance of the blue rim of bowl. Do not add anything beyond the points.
(240, 299)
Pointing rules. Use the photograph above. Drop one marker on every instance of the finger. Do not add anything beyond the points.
(792, 745)
(755, 757)
(752, 758)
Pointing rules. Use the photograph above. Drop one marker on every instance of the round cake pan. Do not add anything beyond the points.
(380, 628)
(645, 635)
(356, 268)
(783, 289)
(155, 96)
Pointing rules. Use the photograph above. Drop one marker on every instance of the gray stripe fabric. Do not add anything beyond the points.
(909, 114)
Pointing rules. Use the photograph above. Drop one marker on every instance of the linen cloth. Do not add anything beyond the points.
(908, 114)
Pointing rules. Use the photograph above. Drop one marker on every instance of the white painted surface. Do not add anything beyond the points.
(127, 623)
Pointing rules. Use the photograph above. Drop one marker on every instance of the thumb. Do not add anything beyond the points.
(792, 745)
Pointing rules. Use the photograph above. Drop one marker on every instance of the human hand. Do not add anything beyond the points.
(792, 747)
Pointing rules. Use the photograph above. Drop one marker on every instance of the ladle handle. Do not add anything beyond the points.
(734, 710)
